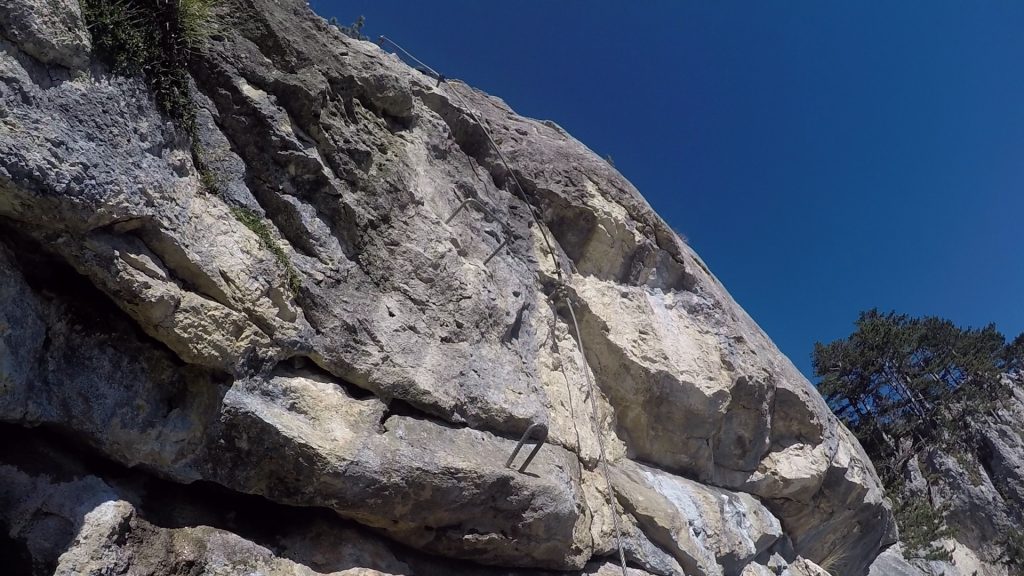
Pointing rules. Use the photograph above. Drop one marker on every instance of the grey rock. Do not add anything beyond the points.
(437, 488)
(974, 505)
(301, 439)
(75, 523)
(804, 567)
(51, 31)
(710, 531)
(143, 317)
(964, 562)
(1003, 448)
(892, 563)
(979, 493)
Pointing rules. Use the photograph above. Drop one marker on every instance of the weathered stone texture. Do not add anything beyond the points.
(139, 315)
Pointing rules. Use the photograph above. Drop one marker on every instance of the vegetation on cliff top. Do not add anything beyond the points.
(899, 379)
(904, 384)
(353, 30)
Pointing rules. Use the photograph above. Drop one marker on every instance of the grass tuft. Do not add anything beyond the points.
(258, 225)
(196, 24)
(835, 561)
(209, 181)
(154, 39)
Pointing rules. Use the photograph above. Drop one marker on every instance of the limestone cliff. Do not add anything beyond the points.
(263, 346)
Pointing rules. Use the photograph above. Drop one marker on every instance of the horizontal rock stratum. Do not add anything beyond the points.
(276, 318)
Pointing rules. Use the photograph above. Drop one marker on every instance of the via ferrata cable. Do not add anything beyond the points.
(595, 420)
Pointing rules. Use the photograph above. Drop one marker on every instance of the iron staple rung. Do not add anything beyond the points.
(506, 236)
(541, 435)
(558, 271)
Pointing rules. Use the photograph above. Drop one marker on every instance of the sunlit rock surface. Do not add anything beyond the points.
(377, 376)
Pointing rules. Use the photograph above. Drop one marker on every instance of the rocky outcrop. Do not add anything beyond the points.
(299, 320)
(892, 563)
(978, 496)
(52, 32)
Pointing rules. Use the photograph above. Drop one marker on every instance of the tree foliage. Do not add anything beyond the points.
(901, 383)
(353, 30)
(898, 379)
(921, 527)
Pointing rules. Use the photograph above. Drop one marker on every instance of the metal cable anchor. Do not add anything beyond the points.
(541, 435)
(505, 236)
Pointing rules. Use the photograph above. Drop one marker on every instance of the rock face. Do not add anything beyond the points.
(50, 31)
(892, 563)
(303, 325)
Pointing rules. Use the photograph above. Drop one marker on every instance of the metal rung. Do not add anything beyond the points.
(541, 435)
(465, 203)
(506, 237)
(496, 250)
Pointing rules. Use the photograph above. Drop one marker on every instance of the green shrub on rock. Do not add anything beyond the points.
(259, 227)
(154, 39)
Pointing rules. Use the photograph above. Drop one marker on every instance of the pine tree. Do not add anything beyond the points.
(1013, 356)
(902, 384)
(923, 380)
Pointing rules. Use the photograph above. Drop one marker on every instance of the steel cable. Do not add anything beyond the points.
(565, 296)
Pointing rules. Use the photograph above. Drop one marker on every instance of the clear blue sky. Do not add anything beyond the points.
(823, 157)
